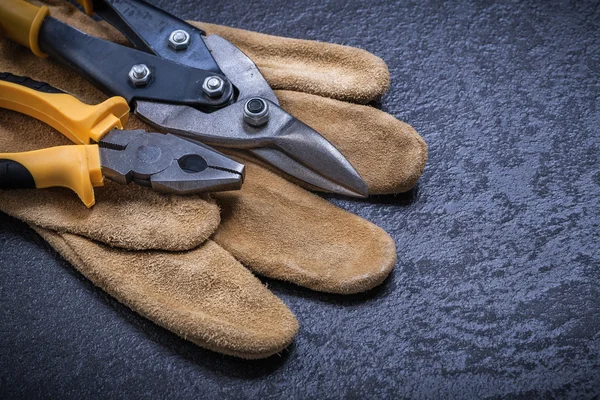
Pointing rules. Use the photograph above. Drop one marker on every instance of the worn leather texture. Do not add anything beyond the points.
(495, 293)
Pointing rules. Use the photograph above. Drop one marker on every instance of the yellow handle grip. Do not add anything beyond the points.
(74, 167)
(79, 122)
(87, 5)
(21, 21)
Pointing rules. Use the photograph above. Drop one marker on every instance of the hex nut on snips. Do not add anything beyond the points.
(256, 111)
(179, 39)
(213, 86)
(140, 75)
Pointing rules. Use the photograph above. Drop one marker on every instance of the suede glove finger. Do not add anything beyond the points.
(281, 231)
(206, 296)
(203, 295)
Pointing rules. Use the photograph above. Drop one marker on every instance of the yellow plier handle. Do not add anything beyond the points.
(80, 122)
(74, 167)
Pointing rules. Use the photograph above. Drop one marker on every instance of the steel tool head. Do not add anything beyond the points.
(268, 132)
(237, 107)
(283, 142)
(167, 163)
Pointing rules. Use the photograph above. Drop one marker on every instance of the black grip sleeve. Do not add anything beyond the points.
(15, 176)
(28, 82)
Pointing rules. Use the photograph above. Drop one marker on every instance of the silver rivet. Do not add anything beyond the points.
(256, 112)
(214, 83)
(213, 86)
(139, 74)
(139, 71)
(179, 39)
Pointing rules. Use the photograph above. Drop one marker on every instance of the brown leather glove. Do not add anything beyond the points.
(150, 251)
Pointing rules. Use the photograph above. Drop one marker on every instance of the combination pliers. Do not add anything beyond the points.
(166, 163)
(184, 82)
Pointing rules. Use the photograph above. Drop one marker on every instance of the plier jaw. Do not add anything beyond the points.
(167, 163)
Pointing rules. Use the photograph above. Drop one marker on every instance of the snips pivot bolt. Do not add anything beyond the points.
(179, 39)
(256, 112)
(139, 75)
(213, 86)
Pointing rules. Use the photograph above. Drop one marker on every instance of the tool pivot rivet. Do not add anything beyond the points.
(213, 86)
(179, 39)
(256, 111)
(139, 75)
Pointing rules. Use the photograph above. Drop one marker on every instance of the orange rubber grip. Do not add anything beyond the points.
(21, 21)
(74, 167)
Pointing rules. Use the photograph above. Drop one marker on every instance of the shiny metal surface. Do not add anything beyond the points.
(239, 69)
(139, 75)
(159, 161)
(179, 40)
(310, 158)
(213, 86)
(260, 115)
(283, 141)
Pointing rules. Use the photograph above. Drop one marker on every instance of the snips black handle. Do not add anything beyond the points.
(155, 31)
(115, 69)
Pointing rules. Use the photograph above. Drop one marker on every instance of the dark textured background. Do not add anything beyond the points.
(496, 289)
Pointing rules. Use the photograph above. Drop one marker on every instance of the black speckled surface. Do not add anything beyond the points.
(496, 289)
